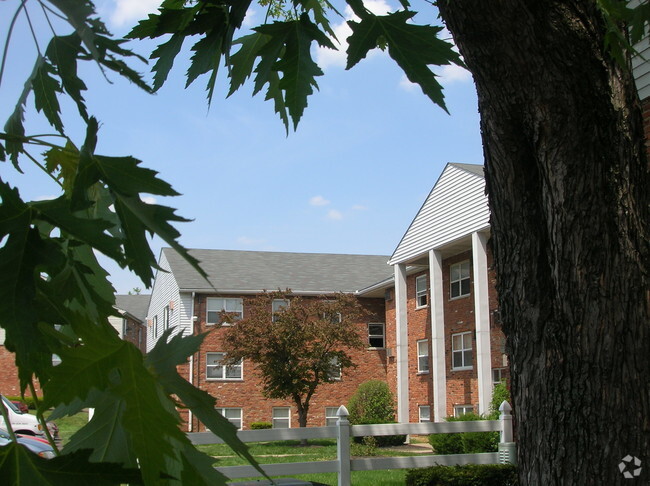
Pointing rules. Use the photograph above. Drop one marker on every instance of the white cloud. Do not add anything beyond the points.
(452, 74)
(149, 200)
(360, 207)
(129, 11)
(327, 57)
(334, 215)
(318, 201)
(246, 241)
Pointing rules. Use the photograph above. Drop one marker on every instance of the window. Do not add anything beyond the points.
(166, 318)
(139, 337)
(233, 415)
(423, 356)
(497, 376)
(376, 335)
(277, 305)
(216, 370)
(459, 280)
(334, 372)
(234, 308)
(460, 410)
(281, 417)
(124, 327)
(425, 413)
(155, 326)
(388, 295)
(421, 291)
(461, 350)
(330, 416)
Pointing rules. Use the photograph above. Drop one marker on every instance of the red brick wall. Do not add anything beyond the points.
(133, 327)
(9, 384)
(247, 394)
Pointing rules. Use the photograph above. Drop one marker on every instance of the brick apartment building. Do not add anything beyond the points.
(131, 322)
(184, 300)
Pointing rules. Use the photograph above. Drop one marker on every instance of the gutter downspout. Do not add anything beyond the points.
(190, 417)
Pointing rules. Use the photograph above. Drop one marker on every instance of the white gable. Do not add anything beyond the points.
(455, 208)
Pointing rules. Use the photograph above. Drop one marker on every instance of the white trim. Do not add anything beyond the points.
(401, 325)
(224, 411)
(482, 322)
(462, 350)
(225, 300)
(438, 355)
(425, 342)
(461, 279)
(419, 293)
(224, 368)
(287, 418)
(383, 334)
(428, 415)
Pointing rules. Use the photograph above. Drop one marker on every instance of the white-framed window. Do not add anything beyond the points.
(232, 414)
(233, 307)
(423, 356)
(281, 417)
(459, 280)
(334, 372)
(461, 351)
(330, 416)
(155, 325)
(216, 370)
(139, 337)
(421, 291)
(166, 318)
(460, 410)
(424, 412)
(376, 335)
(497, 375)
(277, 305)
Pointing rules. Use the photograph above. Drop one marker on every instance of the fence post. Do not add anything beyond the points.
(507, 448)
(343, 446)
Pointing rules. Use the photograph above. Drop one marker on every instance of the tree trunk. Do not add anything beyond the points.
(568, 184)
(303, 410)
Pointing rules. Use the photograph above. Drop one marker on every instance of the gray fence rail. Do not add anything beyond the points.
(343, 431)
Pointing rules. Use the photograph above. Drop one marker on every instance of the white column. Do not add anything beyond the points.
(401, 325)
(482, 319)
(438, 357)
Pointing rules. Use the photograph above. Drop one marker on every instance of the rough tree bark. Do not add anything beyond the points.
(568, 185)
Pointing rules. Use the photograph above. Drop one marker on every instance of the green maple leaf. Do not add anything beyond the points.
(19, 466)
(106, 362)
(288, 52)
(164, 359)
(413, 47)
(63, 52)
(165, 53)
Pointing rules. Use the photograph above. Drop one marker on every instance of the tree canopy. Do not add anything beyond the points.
(300, 345)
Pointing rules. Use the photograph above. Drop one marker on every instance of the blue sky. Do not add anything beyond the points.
(350, 180)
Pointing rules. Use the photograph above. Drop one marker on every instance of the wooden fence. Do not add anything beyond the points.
(343, 431)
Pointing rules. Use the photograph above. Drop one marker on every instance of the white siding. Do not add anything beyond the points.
(116, 322)
(2, 336)
(164, 291)
(641, 63)
(456, 207)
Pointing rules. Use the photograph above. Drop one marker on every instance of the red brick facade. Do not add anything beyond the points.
(247, 392)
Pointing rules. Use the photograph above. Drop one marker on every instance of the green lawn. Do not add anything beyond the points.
(279, 452)
(317, 450)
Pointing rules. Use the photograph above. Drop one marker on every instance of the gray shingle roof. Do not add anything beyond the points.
(136, 305)
(233, 270)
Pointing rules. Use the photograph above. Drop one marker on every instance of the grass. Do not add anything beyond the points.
(69, 425)
(280, 452)
(317, 450)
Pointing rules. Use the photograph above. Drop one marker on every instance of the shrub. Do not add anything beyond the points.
(465, 442)
(261, 425)
(467, 475)
(499, 394)
(373, 403)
